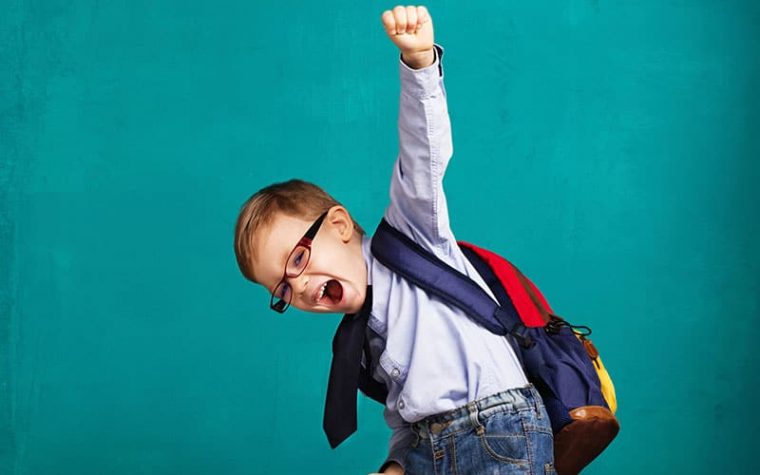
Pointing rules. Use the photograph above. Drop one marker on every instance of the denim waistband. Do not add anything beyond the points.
(470, 415)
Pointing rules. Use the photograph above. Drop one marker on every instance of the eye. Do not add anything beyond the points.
(299, 259)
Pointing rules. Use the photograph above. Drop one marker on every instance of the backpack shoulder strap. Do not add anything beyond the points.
(421, 267)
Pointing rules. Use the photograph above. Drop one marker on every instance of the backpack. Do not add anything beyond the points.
(558, 358)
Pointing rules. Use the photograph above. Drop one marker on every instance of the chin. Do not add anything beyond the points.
(357, 304)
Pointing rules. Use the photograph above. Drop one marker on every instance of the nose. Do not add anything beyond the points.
(299, 284)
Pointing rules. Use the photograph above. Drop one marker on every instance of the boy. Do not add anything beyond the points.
(457, 399)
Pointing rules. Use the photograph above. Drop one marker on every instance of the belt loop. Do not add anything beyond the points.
(416, 433)
(423, 429)
(473, 409)
(536, 401)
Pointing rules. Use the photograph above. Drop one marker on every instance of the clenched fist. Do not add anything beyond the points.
(410, 28)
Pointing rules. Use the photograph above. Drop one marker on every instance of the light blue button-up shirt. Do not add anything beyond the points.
(432, 357)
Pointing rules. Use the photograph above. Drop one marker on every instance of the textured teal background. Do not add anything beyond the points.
(609, 148)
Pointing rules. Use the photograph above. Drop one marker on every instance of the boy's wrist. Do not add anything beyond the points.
(419, 59)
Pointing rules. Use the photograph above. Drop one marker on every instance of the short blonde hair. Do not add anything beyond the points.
(296, 198)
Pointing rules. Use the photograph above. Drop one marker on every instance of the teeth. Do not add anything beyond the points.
(322, 291)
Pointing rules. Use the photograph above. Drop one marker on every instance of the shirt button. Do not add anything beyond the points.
(401, 403)
(395, 373)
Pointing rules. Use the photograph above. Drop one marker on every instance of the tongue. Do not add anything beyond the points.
(334, 290)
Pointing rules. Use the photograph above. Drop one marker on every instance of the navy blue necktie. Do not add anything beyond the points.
(347, 375)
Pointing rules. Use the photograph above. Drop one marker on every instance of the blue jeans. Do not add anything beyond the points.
(505, 433)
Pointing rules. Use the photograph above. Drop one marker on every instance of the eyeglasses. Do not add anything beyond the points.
(297, 261)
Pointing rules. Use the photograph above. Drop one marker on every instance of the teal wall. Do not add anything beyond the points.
(609, 148)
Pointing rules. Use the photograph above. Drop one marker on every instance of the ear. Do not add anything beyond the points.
(341, 222)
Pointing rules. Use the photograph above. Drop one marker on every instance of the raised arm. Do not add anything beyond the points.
(418, 205)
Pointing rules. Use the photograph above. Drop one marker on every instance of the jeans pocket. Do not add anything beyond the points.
(504, 438)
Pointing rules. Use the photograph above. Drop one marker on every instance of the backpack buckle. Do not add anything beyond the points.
(555, 324)
(520, 332)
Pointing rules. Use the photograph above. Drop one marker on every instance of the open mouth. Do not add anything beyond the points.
(330, 293)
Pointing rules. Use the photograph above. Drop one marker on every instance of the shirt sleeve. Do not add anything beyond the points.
(417, 201)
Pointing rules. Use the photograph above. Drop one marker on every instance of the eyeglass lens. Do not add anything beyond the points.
(297, 262)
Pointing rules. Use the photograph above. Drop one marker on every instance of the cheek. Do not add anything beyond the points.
(327, 261)
(330, 259)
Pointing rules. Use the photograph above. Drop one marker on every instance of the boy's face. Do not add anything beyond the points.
(335, 278)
